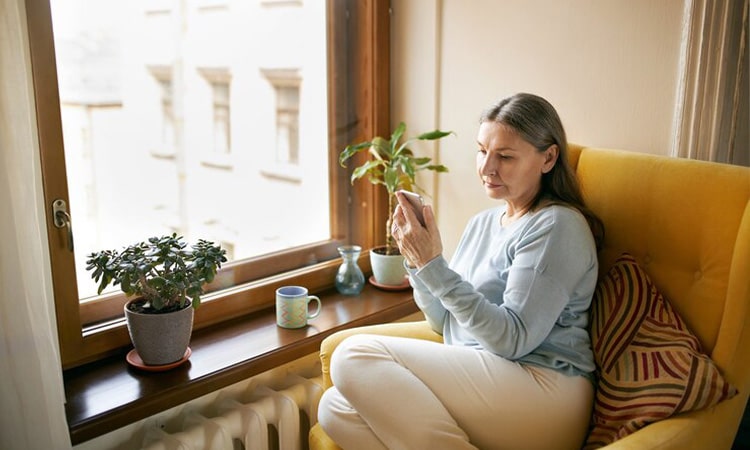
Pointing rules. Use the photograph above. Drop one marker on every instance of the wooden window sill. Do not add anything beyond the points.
(109, 394)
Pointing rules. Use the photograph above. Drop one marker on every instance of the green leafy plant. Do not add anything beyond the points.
(163, 271)
(392, 163)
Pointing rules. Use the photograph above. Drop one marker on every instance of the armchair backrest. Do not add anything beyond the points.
(687, 223)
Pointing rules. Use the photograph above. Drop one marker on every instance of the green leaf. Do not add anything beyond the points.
(390, 178)
(396, 136)
(408, 169)
(381, 148)
(157, 303)
(437, 168)
(366, 169)
(157, 282)
(102, 285)
(432, 135)
(125, 283)
(352, 150)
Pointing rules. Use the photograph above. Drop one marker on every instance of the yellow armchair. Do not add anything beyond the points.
(688, 224)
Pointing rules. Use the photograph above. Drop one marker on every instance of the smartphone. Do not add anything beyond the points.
(416, 202)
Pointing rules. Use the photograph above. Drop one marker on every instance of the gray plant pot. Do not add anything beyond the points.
(387, 269)
(160, 339)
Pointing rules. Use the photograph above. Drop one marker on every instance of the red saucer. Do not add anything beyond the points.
(134, 359)
(390, 287)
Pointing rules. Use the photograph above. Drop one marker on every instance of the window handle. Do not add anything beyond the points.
(62, 219)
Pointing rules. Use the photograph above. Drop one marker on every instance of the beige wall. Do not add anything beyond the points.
(612, 70)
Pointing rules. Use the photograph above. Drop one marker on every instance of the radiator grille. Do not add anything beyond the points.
(260, 414)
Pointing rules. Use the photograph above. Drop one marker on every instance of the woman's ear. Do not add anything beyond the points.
(550, 158)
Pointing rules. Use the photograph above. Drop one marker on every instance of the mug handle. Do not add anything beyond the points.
(317, 310)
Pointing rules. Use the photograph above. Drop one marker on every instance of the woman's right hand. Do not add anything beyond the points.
(418, 244)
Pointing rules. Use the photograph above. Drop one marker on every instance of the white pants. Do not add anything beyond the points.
(401, 393)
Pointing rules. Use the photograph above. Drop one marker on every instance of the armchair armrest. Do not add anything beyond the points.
(696, 429)
(416, 330)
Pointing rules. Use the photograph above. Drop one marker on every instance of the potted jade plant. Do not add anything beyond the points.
(166, 279)
(391, 163)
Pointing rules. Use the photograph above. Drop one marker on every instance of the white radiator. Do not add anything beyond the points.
(260, 414)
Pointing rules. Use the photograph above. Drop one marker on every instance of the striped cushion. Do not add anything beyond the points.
(649, 365)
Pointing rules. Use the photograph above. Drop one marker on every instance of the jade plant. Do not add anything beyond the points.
(162, 270)
(393, 164)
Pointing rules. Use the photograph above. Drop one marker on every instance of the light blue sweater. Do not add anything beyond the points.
(520, 291)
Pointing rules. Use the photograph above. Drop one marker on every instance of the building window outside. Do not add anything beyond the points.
(287, 124)
(167, 116)
(285, 161)
(222, 130)
(217, 115)
(165, 145)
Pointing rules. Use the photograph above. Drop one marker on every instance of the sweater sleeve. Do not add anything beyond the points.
(548, 261)
(434, 311)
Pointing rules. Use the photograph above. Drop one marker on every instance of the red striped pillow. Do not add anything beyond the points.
(649, 365)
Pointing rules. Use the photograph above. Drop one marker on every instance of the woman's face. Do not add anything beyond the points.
(511, 168)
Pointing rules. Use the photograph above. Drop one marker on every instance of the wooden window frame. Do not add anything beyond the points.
(359, 61)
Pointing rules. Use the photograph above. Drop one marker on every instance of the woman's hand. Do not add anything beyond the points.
(419, 244)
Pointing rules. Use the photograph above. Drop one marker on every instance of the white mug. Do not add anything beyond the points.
(292, 307)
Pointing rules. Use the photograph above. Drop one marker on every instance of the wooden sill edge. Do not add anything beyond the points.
(263, 346)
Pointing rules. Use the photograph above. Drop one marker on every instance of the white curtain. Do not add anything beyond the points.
(32, 414)
(712, 113)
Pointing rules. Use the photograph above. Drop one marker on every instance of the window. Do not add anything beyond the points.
(219, 149)
(287, 124)
(353, 53)
(165, 145)
(285, 84)
(221, 117)
(284, 162)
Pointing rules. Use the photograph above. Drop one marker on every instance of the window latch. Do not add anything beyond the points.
(62, 219)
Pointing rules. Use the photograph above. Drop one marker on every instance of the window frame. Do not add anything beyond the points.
(358, 36)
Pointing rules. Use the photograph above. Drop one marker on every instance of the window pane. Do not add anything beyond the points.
(169, 124)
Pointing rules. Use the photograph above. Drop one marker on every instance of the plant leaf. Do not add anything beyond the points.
(432, 135)
(352, 150)
(390, 179)
(437, 168)
(396, 136)
(157, 303)
(367, 168)
(382, 148)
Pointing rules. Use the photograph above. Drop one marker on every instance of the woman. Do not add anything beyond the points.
(516, 367)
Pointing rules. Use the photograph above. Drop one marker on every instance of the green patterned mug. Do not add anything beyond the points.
(292, 309)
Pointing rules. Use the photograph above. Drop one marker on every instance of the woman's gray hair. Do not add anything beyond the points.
(532, 117)
(536, 122)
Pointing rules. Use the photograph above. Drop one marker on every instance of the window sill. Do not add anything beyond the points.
(285, 172)
(223, 161)
(109, 394)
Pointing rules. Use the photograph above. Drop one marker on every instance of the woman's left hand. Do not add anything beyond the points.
(419, 244)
